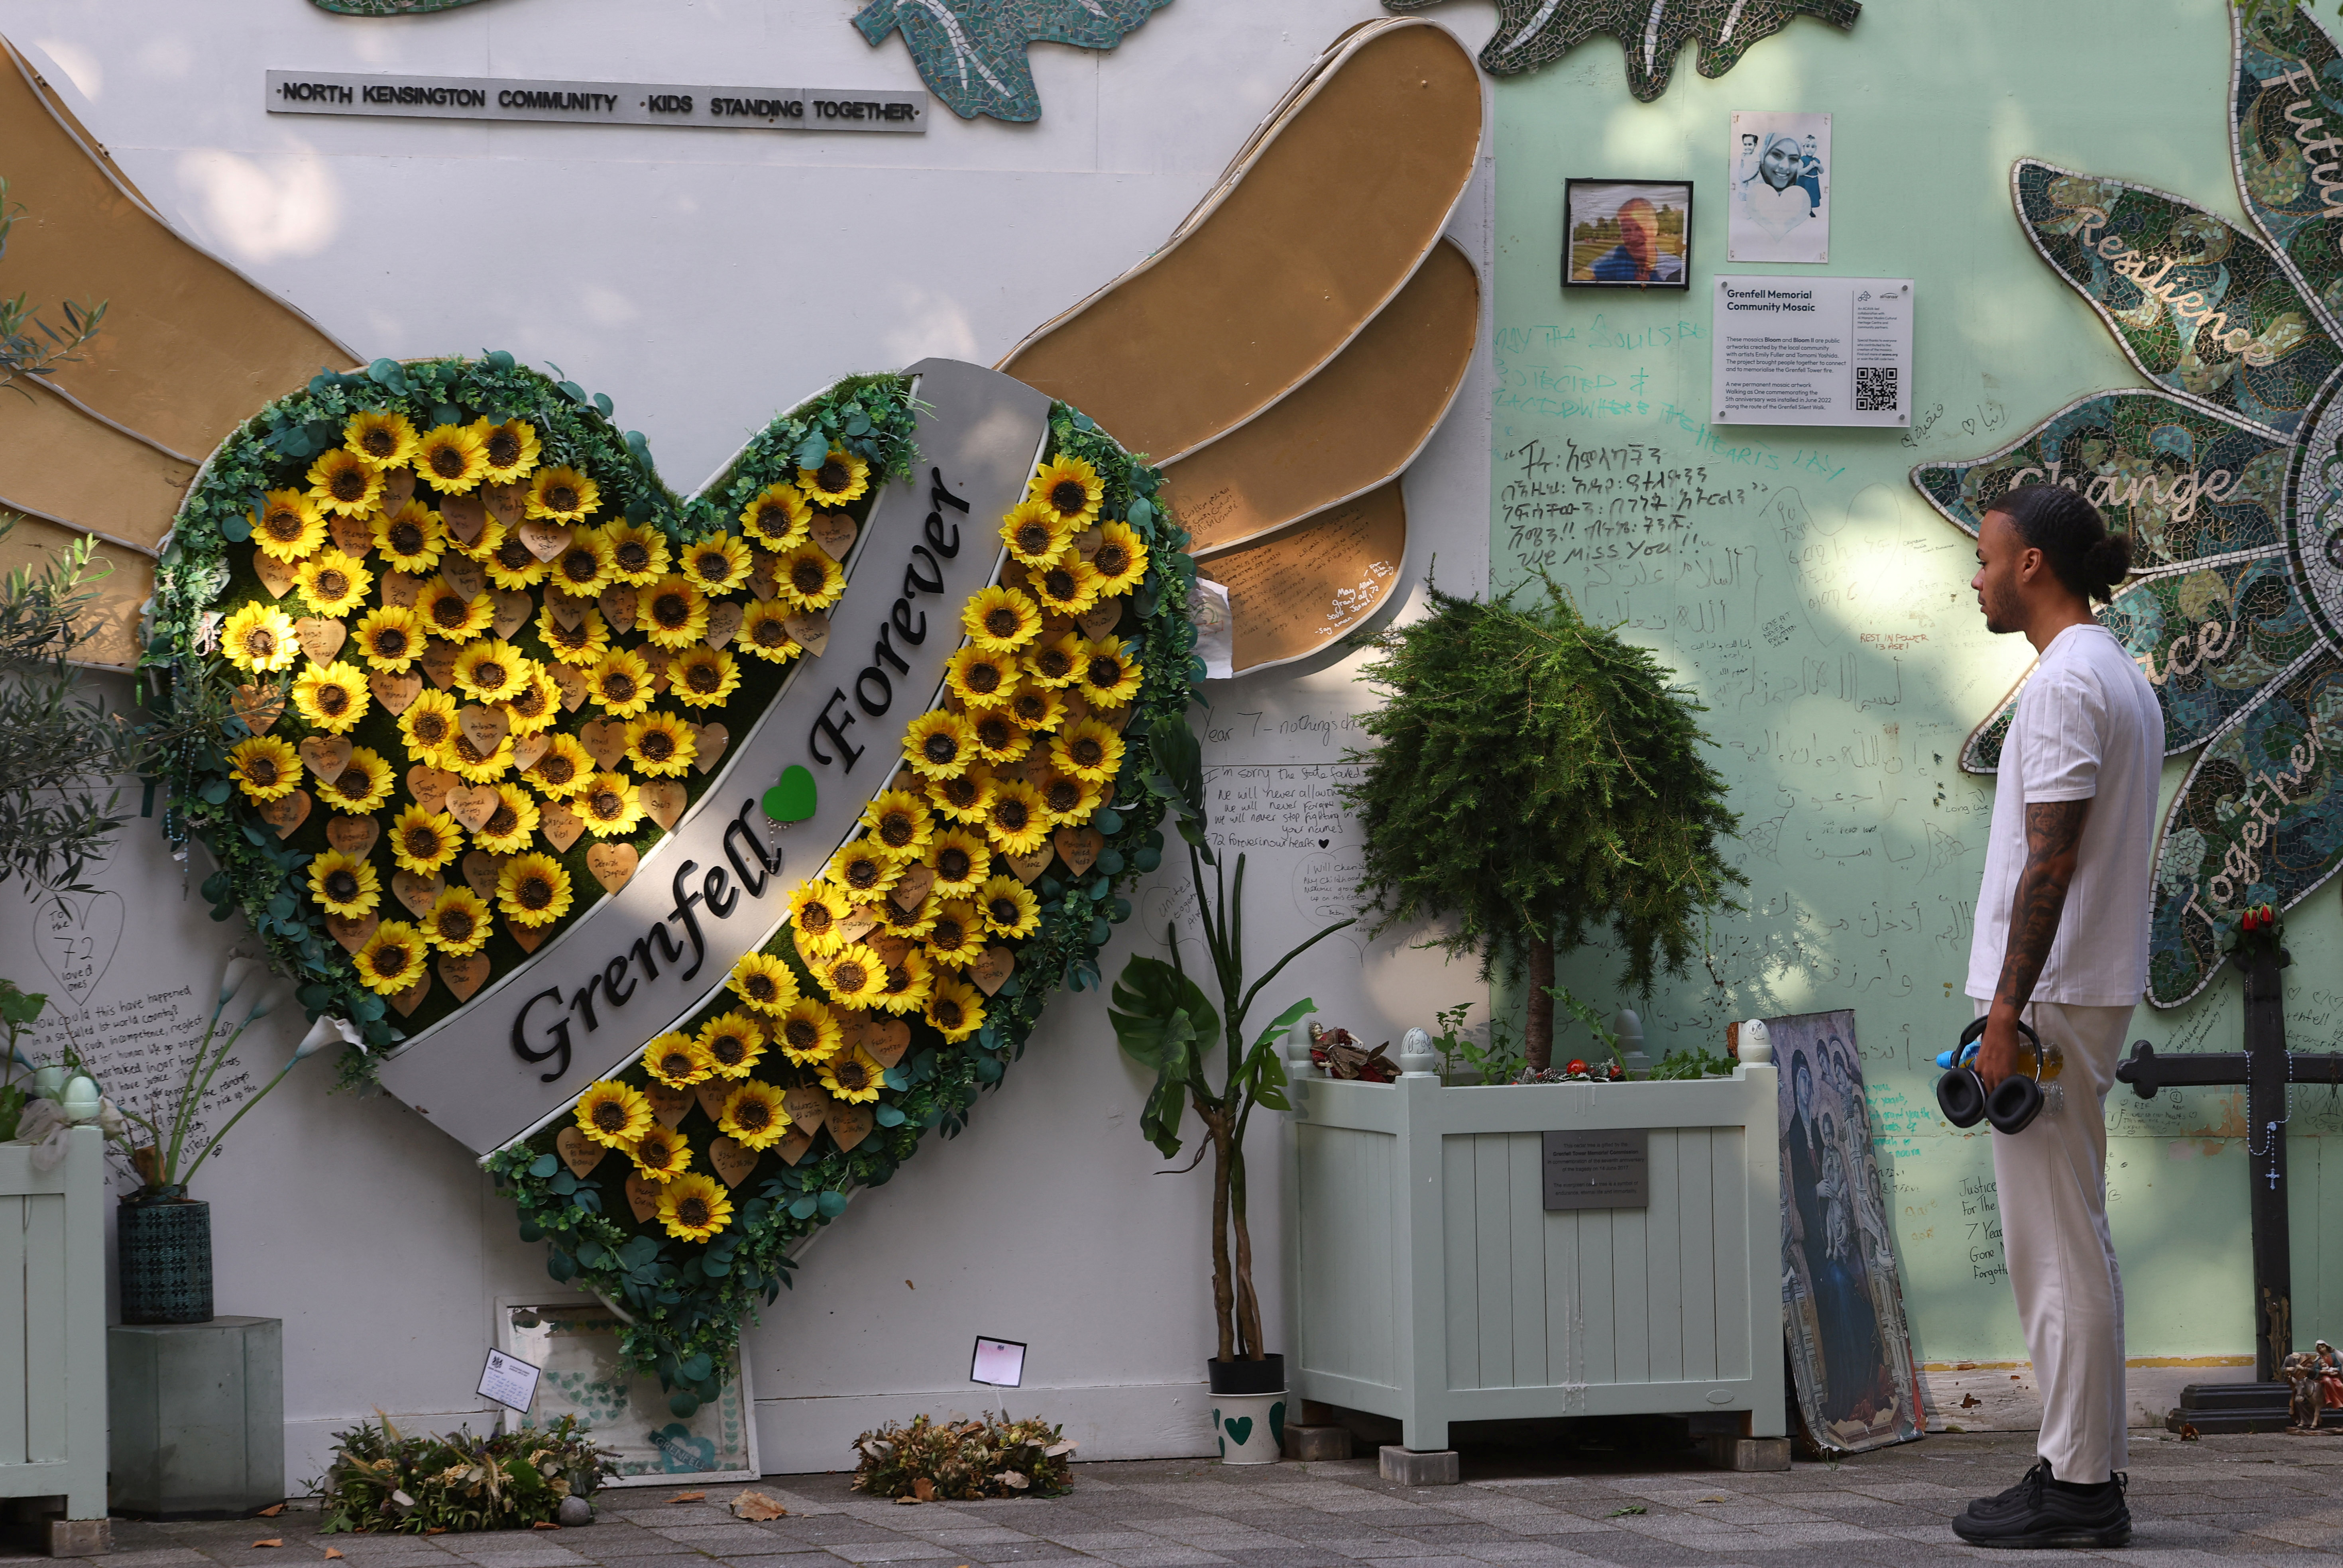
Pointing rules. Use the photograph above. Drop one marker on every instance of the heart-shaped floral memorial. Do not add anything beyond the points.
(488, 699)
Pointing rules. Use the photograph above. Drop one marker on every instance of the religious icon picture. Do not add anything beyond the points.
(1626, 233)
(1780, 205)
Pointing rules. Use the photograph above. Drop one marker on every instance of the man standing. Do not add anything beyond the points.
(2061, 940)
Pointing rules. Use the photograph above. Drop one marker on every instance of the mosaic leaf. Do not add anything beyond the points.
(2287, 104)
(1534, 32)
(2203, 308)
(2257, 820)
(2210, 638)
(972, 53)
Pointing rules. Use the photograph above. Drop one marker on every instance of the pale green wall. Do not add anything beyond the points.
(1863, 842)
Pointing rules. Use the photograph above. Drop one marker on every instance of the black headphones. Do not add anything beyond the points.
(2013, 1103)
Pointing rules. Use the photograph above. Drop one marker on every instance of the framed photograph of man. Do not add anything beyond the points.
(1779, 207)
(1626, 233)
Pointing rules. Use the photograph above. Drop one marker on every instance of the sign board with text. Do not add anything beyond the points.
(721, 106)
(1597, 1168)
(1812, 351)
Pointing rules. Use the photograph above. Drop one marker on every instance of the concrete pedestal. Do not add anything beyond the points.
(198, 1416)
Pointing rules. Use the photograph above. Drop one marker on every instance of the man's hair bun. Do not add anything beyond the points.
(2071, 535)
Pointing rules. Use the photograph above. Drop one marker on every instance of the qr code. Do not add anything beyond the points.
(1874, 389)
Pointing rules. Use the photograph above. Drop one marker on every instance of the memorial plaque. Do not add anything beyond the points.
(1813, 351)
(1607, 1167)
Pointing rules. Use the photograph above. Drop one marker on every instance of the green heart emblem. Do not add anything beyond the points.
(1277, 1423)
(792, 799)
(1240, 1428)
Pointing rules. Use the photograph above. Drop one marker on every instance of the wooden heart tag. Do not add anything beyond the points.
(353, 934)
(711, 739)
(438, 662)
(663, 800)
(529, 751)
(764, 575)
(657, 658)
(259, 706)
(992, 972)
(353, 836)
(572, 684)
(530, 938)
(670, 1105)
(806, 1106)
(463, 975)
(396, 693)
(354, 537)
(1086, 542)
(642, 1196)
(712, 1093)
(429, 786)
(811, 630)
(891, 949)
(508, 502)
(559, 824)
(733, 1162)
(723, 622)
(543, 539)
(277, 576)
(912, 889)
(605, 741)
(287, 813)
(886, 1039)
(613, 865)
(325, 756)
(407, 1000)
(1100, 619)
(568, 610)
(480, 870)
(401, 589)
(850, 1124)
(1031, 864)
(465, 576)
(793, 1144)
(617, 605)
(834, 532)
(511, 613)
(417, 893)
(397, 489)
(485, 727)
(466, 517)
(861, 921)
(1078, 848)
(578, 1151)
(320, 637)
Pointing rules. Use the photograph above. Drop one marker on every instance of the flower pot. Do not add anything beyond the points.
(1251, 1427)
(1266, 1375)
(164, 1245)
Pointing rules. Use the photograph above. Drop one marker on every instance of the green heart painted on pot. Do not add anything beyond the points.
(1239, 1429)
(792, 799)
(1277, 1423)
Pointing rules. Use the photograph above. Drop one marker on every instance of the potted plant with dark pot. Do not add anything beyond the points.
(1167, 1024)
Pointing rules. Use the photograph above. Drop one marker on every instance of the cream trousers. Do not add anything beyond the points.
(2052, 1182)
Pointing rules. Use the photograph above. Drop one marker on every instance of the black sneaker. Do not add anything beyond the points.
(2041, 1510)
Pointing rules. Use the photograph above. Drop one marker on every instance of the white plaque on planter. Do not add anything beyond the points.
(1597, 1168)
(1812, 351)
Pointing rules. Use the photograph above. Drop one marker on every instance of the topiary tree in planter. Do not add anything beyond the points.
(1537, 781)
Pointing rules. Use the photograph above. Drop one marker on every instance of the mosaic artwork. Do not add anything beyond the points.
(1534, 32)
(2228, 477)
(972, 53)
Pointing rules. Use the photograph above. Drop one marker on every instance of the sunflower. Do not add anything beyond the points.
(332, 697)
(1010, 908)
(999, 737)
(427, 726)
(674, 1060)
(940, 743)
(672, 612)
(732, 1043)
(764, 982)
(1120, 559)
(390, 638)
(512, 565)
(1069, 588)
(392, 959)
(563, 770)
(511, 826)
(1088, 748)
(1001, 619)
(717, 564)
(511, 448)
(841, 477)
(458, 923)
(1035, 706)
(955, 1009)
(585, 566)
(621, 685)
(258, 640)
(491, 669)
(382, 438)
(703, 676)
(765, 632)
(776, 517)
(694, 1207)
(413, 540)
(638, 554)
(908, 983)
(422, 841)
(362, 786)
(957, 937)
(753, 1117)
(807, 579)
(288, 527)
(815, 908)
(853, 1076)
(264, 768)
(345, 484)
(452, 459)
(613, 1114)
(1017, 824)
(537, 704)
(562, 495)
(332, 583)
(862, 870)
(962, 796)
(960, 859)
(660, 1154)
(582, 645)
(344, 885)
(981, 677)
(1035, 534)
(1056, 665)
(661, 745)
(852, 975)
(610, 805)
(1069, 488)
(1109, 676)
(533, 890)
(900, 824)
(448, 616)
(808, 1032)
(1066, 796)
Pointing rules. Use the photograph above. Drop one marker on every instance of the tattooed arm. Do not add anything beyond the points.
(2054, 832)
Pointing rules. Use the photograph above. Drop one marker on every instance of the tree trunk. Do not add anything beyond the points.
(1216, 1128)
(1248, 1304)
(1537, 1033)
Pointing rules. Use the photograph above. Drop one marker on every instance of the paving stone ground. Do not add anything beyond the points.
(2228, 1500)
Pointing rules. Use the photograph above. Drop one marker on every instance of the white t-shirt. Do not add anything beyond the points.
(2088, 728)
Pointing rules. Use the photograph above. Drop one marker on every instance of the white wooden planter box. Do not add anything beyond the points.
(53, 1326)
(1430, 1284)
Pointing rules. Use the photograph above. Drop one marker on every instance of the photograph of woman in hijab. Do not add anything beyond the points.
(1780, 206)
